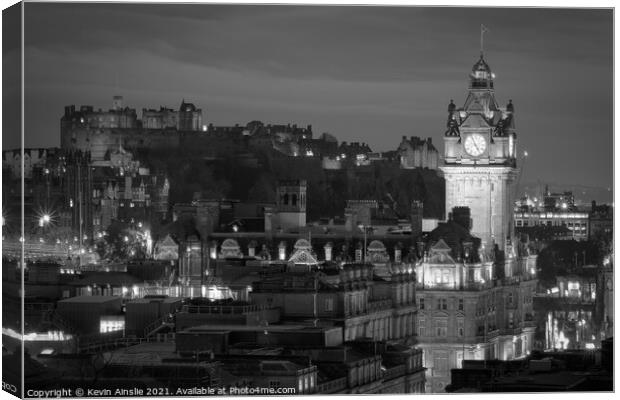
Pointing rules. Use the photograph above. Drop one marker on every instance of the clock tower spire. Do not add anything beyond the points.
(480, 159)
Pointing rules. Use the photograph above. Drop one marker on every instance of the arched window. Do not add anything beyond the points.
(285, 197)
(294, 200)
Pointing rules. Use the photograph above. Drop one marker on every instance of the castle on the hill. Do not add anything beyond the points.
(100, 132)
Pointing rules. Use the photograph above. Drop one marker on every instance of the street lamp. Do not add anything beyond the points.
(364, 228)
(44, 220)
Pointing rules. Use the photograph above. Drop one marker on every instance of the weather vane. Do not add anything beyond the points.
(483, 29)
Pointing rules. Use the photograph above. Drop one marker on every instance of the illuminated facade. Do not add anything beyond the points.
(480, 159)
(475, 284)
(470, 306)
(575, 221)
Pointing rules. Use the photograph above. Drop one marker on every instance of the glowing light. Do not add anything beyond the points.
(562, 341)
(235, 228)
(309, 153)
(564, 206)
(204, 128)
(525, 154)
(126, 239)
(111, 325)
(149, 242)
(51, 336)
(590, 346)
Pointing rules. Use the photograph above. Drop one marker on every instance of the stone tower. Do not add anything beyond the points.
(291, 204)
(479, 165)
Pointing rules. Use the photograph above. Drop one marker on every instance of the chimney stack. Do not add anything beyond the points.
(462, 216)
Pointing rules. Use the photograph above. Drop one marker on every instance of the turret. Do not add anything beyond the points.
(481, 76)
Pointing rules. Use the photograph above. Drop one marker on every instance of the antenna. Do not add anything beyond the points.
(483, 29)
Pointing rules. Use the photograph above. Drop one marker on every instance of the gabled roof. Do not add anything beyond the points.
(168, 241)
(475, 121)
(440, 253)
(440, 246)
(303, 256)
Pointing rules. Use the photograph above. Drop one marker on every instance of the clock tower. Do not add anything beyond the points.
(479, 165)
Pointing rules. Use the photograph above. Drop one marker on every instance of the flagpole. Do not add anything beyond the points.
(481, 39)
(483, 29)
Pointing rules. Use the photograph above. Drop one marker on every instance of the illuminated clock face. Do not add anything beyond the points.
(475, 145)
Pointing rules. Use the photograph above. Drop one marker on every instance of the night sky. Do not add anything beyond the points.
(367, 74)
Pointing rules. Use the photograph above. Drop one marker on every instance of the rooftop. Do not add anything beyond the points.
(90, 299)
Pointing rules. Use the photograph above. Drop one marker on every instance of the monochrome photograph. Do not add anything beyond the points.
(220, 199)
